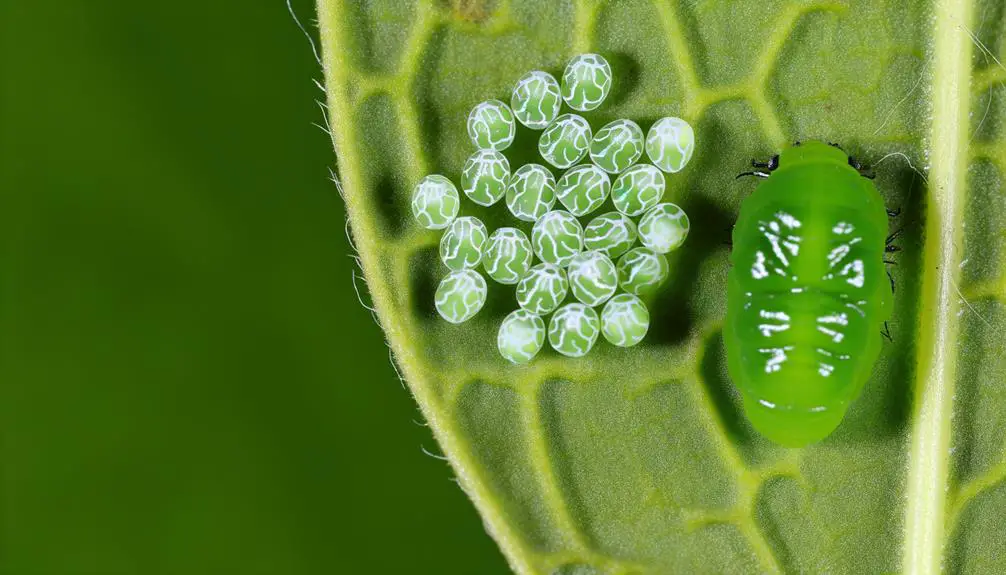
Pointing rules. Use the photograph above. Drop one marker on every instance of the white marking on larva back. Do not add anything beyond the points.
(767, 329)
(839, 318)
(775, 362)
(856, 267)
(835, 336)
(758, 270)
(780, 315)
(766, 403)
(788, 220)
(838, 254)
(825, 369)
(843, 228)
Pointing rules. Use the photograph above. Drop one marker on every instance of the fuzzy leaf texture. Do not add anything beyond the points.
(640, 460)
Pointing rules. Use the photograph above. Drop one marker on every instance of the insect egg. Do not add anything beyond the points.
(612, 233)
(485, 176)
(557, 237)
(638, 189)
(435, 202)
(542, 289)
(592, 277)
(586, 82)
(617, 146)
(573, 329)
(565, 141)
(663, 228)
(625, 320)
(641, 271)
(531, 192)
(583, 189)
(520, 336)
(491, 125)
(507, 255)
(535, 100)
(461, 245)
(460, 296)
(670, 143)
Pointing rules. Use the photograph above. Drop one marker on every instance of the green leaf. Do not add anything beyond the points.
(639, 460)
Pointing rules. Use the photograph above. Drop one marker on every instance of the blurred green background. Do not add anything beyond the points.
(189, 383)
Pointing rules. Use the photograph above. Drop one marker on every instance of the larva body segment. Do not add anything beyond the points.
(807, 294)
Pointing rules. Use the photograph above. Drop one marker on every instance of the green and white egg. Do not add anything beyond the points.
(536, 99)
(565, 141)
(625, 320)
(531, 193)
(435, 202)
(612, 233)
(485, 177)
(491, 125)
(638, 189)
(592, 277)
(462, 244)
(557, 237)
(583, 189)
(670, 143)
(461, 295)
(586, 82)
(542, 289)
(507, 255)
(521, 336)
(573, 329)
(617, 146)
(641, 271)
(663, 228)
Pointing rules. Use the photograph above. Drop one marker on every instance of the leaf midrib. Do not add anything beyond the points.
(939, 326)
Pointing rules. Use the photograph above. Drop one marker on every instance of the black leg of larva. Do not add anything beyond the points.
(762, 165)
(894, 213)
(890, 239)
(891, 279)
(886, 332)
(757, 173)
(891, 248)
(891, 262)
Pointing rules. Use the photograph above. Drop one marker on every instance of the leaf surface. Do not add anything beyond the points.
(639, 460)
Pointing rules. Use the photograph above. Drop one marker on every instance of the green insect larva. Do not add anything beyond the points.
(670, 143)
(461, 295)
(485, 177)
(617, 146)
(557, 237)
(592, 278)
(611, 233)
(521, 336)
(573, 329)
(638, 189)
(536, 99)
(435, 202)
(462, 244)
(583, 189)
(625, 320)
(586, 82)
(531, 193)
(663, 228)
(507, 255)
(565, 141)
(641, 271)
(491, 126)
(807, 293)
(542, 289)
